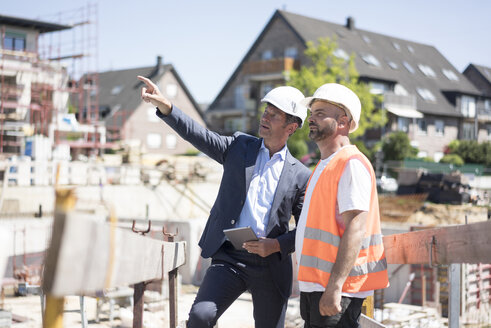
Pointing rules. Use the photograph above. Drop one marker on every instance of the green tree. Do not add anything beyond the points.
(396, 147)
(470, 151)
(325, 67)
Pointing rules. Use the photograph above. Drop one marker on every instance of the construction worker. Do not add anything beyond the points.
(262, 187)
(339, 250)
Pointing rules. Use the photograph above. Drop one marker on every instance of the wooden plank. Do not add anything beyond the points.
(468, 243)
(87, 255)
(367, 322)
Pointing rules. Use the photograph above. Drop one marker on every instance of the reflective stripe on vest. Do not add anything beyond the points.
(322, 235)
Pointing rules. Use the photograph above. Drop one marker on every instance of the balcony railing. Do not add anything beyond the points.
(276, 65)
(408, 101)
(483, 114)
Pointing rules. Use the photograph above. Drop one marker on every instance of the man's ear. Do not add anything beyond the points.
(344, 121)
(292, 127)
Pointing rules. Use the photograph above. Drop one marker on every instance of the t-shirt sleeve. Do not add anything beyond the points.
(355, 187)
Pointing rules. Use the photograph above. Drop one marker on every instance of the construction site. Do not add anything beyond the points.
(93, 239)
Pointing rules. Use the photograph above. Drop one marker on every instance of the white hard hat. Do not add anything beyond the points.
(341, 96)
(288, 100)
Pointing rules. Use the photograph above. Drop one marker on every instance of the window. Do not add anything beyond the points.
(396, 46)
(151, 116)
(116, 90)
(468, 131)
(450, 74)
(408, 67)
(366, 39)
(468, 106)
(392, 64)
(426, 94)
(291, 52)
(426, 70)
(171, 90)
(267, 55)
(488, 130)
(439, 127)
(400, 90)
(422, 126)
(410, 48)
(340, 53)
(14, 41)
(265, 88)
(370, 60)
(239, 97)
(403, 124)
(378, 88)
(487, 104)
(154, 140)
(171, 141)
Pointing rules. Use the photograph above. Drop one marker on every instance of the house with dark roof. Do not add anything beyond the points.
(480, 77)
(128, 118)
(424, 95)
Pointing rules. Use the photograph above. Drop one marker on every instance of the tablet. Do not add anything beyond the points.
(238, 236)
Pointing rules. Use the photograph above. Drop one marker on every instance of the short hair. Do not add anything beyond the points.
(293, 119)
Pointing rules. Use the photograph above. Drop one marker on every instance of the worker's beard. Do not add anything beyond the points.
(317, 134)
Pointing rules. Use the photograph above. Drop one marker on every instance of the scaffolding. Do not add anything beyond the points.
(49, 82)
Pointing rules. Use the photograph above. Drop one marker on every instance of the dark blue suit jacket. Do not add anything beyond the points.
(238, 154)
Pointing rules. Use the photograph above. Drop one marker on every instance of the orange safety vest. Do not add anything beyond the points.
(323, 235)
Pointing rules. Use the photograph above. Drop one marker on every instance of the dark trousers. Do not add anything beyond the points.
(347, 318)
(230, 274)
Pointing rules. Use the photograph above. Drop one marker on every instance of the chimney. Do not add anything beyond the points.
(350, 23)
(158, 67)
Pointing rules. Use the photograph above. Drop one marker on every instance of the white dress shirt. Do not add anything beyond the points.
(260, 195)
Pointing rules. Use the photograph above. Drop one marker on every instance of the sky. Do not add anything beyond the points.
(206, 40)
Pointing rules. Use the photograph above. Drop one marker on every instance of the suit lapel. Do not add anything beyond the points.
(285, 180)
(250, 161)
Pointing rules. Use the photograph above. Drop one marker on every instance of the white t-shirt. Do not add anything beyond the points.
(354, 191)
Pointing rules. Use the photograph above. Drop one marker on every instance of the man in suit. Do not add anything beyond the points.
(262, 186)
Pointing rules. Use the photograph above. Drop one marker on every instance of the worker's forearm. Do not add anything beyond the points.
(348, 251)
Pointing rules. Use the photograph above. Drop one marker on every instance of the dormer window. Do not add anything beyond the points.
(396, 46)
(392, 64)
(116, 90)
(426, 94)
(370, 60)
(408, 67)
(366, 39)
(410, 48)
(450, 74)
(340, 53)
(400, 90)
(426, 70)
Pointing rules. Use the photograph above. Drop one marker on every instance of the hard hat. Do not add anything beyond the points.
(288, 100)
(341, 96)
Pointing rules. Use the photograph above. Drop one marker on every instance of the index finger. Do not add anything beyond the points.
(146, 81)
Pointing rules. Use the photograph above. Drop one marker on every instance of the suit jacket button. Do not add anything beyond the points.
(232, 222)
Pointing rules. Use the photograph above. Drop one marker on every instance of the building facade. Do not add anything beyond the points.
(129, 119)
(480, 76)
(424, 95)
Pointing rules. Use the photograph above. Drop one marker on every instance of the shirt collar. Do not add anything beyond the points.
(281, 152)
